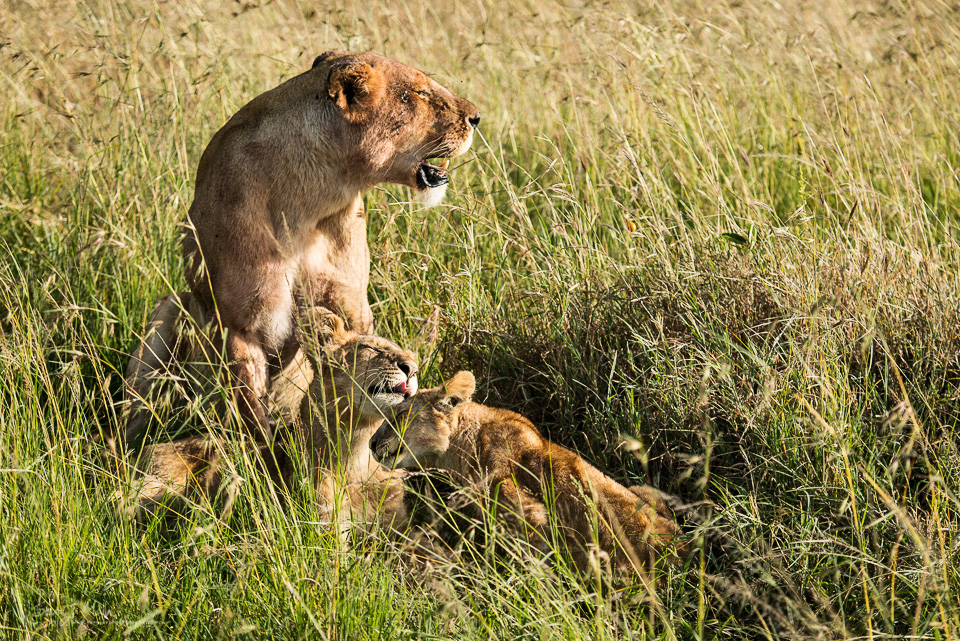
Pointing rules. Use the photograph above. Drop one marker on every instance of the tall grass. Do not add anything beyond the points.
(725, 234)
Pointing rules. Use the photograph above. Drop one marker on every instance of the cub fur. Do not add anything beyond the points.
(277, 221)
(356, 379)
(359, 378)
(504, 453)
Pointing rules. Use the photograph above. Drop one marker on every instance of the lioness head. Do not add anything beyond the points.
(367, 373)
(417, 431)
(396, 120)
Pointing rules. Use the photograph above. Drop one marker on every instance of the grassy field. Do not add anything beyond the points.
(724, 234)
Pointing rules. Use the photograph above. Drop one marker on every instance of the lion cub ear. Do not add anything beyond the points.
(460, 388)
(355, 88)
(320, 329)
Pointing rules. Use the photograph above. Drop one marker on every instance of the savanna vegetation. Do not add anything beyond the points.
(712, 246)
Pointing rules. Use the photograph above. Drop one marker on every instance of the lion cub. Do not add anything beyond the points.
(359, 378)
(526, 474)
(355, 379)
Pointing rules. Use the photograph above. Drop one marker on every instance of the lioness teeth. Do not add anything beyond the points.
(443, 164)
(431, 176)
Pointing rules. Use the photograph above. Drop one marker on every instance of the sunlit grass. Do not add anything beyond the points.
(726, 232)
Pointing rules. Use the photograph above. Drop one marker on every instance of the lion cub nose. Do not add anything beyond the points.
(474, 120)
(408, 369)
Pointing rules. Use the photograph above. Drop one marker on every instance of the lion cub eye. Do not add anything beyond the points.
(371, 349)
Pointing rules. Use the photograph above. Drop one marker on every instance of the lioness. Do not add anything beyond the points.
(277, 219)
(358, 377)
(524, 473)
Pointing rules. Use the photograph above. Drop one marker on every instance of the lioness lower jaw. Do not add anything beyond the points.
(432, 180)
(431, 196)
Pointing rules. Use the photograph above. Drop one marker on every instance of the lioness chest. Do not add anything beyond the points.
(324, 265)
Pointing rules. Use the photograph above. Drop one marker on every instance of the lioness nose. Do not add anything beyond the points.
(474, 120)
(408, 369)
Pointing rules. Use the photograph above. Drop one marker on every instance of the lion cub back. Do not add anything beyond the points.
(592, 509)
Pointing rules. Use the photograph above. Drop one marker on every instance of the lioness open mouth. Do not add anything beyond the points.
(430, 176)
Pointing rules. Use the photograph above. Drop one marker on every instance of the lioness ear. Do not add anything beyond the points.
(354, 89)
(461, 387)
(326, 55)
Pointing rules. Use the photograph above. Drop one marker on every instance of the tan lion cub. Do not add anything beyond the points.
(356, 378)
(504, 453)
(359, 377)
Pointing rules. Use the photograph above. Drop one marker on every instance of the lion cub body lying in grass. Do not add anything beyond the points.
(540, 487)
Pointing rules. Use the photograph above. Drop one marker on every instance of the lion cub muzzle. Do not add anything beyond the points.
(398, 388)
(382, 442)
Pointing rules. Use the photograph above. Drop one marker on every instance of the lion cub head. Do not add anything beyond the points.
(397, 121)
(364, 373)
(417, 434)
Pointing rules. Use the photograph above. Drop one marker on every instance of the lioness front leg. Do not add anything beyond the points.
(248, 370)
